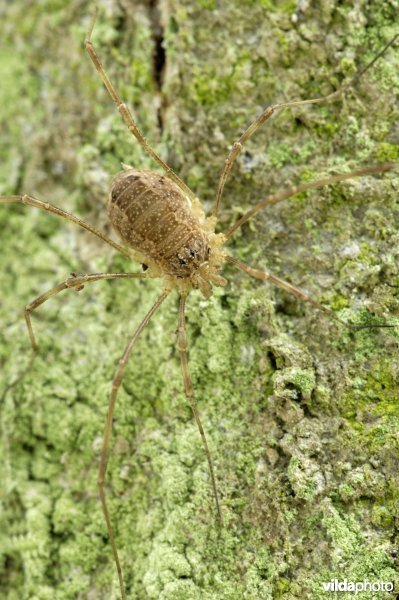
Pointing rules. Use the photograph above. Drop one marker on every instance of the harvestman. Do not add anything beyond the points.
(165, 228)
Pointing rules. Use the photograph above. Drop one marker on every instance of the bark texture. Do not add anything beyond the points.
(302, 415)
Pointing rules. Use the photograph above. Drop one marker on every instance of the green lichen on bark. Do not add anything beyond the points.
(301, 414)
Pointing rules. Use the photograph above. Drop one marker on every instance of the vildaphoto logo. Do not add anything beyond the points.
(335, 585)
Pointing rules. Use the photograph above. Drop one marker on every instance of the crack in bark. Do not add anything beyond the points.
(159, 55)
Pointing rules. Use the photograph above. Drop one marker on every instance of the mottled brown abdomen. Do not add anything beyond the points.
(151, 214)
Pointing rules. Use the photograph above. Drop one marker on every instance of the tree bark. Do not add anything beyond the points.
(301, 414)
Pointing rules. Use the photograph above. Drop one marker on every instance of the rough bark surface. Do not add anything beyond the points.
(302, 415)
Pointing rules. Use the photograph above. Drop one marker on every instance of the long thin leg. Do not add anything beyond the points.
(287, 193)
(297, 292)
(125, 113)
(74, 282)
(188, 388)
(31, 201)
(107, 434)
(269, 111)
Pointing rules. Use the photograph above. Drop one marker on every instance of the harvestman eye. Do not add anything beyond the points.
(136, 195)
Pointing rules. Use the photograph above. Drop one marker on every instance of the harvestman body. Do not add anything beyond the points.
(165, 228)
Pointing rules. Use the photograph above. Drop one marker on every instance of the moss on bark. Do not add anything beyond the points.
(301, 414)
